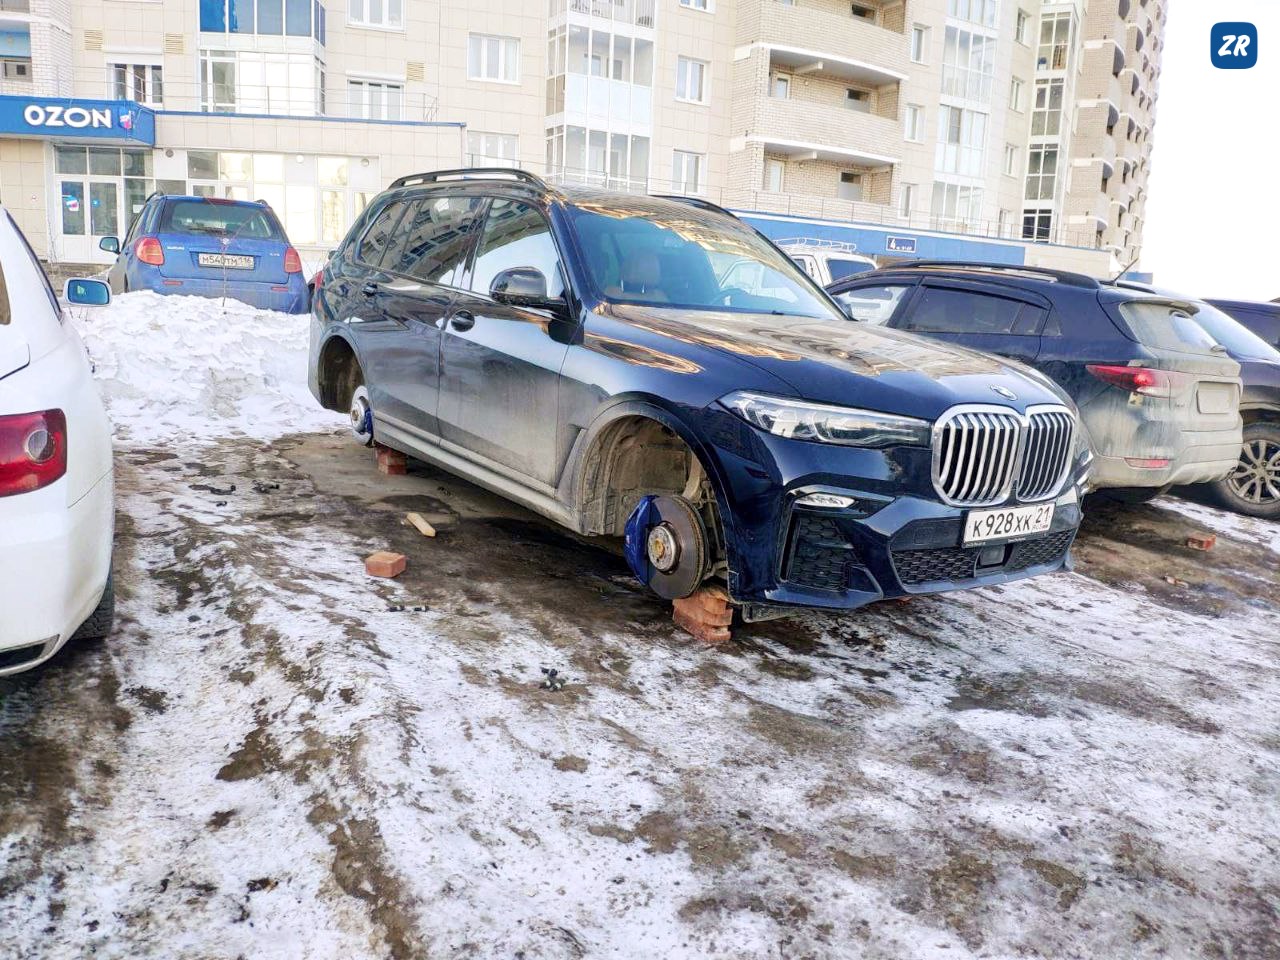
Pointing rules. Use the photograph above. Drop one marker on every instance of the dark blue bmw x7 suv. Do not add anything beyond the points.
(655, 370)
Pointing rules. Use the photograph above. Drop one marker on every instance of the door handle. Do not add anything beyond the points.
(462, 321)
(369, 289)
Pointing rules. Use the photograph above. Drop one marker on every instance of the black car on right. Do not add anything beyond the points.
(1262, 319)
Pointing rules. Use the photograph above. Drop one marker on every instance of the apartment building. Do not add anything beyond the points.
(959, 128)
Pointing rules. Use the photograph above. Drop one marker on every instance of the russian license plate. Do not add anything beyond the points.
(1007, 523)
(231, 261)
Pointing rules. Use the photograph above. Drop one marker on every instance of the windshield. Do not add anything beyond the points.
(203, 218)
(1238, 340)
(693, 260)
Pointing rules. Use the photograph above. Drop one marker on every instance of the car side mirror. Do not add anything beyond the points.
(86, 293)
(109, 244)
(524, 287)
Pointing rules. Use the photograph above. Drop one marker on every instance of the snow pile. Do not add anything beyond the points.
(189, 367)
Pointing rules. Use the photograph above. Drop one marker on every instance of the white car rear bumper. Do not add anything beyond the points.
(54, 562)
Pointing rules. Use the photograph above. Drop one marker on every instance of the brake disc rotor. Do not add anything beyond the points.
(666, 546)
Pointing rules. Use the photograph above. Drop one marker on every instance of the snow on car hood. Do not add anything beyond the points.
(191, 367)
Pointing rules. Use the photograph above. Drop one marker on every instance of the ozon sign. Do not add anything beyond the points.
(78, 118)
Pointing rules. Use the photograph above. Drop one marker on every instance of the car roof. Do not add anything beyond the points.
(1258, 306)
(220, 201)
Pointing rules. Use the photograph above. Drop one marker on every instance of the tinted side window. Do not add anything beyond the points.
(872, 304)
(379, 235)
(516, 235)
(433, 238)
(944, 310)
(841, 269)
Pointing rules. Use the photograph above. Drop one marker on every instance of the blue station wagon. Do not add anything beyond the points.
(209, 247)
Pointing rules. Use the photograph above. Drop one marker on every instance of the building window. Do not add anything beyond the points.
(956, 205)
(1004, 219)
(850, 186)
(375, 100)
(599, 158)
(1016, 88)
(493, 58)
(780, 86)
(375, 13)
(1055, 42)
(686, 171)
(289, 18)
(246, 81)
(907, 200)
(704, 5)
(143, 82)
(968, 64)
(491, 149)
(1020, 29)
(1046, 118)
(914, 123)
(691, 80)
(1010, 160)
(1037, 225)
(773, 174)
(863, 12)
(919, 43)
(962, 136)
(859, 100)
(983, 12)
(1042, 172)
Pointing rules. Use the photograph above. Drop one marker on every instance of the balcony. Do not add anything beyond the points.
(827, 43)
(805, 130)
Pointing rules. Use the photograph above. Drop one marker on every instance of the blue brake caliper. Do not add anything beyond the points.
(636, 542)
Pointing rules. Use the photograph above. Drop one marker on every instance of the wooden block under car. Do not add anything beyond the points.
(384, 563)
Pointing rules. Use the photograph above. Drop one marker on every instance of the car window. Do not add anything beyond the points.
(1165, 326)
(949, 310)
(1239, 340)
(431, 241)
(516, 235)
(873, 304)
(806, 264)
(840, 268)
(659, 253)
(213, 218)
(374, 243)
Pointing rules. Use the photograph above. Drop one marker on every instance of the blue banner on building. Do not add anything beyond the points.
(52, 118)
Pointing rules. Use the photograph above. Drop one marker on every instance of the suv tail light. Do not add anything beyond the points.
(1143, 380)
(33, 451)
(292, 262)
(148, 250)
(318, 280)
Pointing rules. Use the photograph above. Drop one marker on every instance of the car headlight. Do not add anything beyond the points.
(818, 422)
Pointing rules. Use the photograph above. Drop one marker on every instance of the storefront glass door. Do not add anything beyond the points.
(100, 190)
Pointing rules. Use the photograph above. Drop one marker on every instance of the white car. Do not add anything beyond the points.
(56, 480)
(826, 260)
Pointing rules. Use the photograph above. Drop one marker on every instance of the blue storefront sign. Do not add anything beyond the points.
(900, 244)
(118, 121)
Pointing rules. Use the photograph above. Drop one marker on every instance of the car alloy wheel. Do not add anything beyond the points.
(1257, 476)
(361, 417)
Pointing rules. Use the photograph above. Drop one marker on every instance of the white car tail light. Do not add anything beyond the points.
(33, 451)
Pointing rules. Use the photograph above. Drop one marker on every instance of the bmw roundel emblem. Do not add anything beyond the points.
(1003, 392)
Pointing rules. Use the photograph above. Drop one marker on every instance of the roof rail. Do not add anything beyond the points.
(470, 173)
(1062, 276)
(818, 243)
(696, 202)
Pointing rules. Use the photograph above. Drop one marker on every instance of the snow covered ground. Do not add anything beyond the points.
(272, 760)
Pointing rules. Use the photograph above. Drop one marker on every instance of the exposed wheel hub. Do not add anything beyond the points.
(667, 547)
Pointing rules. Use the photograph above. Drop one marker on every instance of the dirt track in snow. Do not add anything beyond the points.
(268, 760)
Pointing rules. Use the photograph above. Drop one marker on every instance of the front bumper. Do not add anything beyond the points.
(897, 539)
(290, 297)
(54, 563)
